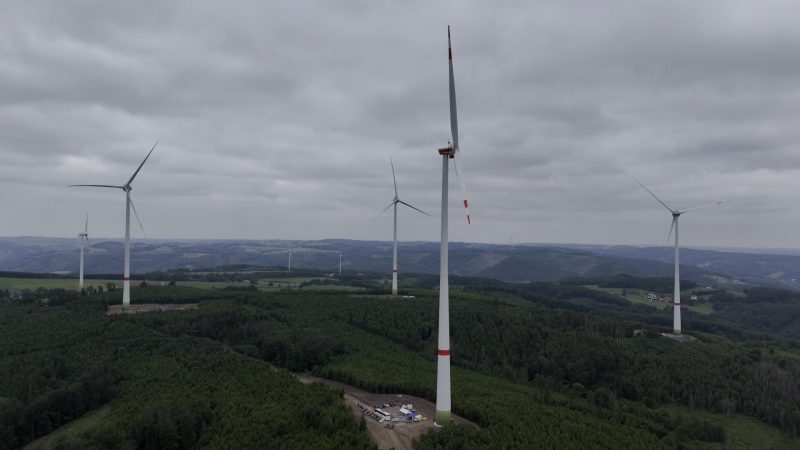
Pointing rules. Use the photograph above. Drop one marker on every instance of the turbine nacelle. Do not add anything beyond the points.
(449, 151)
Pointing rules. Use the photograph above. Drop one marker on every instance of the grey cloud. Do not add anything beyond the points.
(277, 120)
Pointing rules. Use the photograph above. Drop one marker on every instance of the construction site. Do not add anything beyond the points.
(386, 422)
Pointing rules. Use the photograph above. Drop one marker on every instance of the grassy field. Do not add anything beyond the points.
(640, 296)
(89, 421)
(742, 432)
(208, 284)
(18, 284)
(334, 288)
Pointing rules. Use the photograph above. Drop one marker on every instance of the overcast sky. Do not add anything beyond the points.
(277, 119)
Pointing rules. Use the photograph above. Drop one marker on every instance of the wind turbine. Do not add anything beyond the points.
(126, 280)
(394, 204)
(443, 397)
(84, 237)
(676, 296)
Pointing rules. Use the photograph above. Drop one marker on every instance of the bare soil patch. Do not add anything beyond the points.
(679, 337)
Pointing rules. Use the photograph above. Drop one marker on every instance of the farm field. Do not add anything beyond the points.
(19, 284)
(264, 284)
(640, 296)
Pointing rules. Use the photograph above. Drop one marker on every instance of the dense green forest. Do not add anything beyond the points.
(544, 365)
(58, 362)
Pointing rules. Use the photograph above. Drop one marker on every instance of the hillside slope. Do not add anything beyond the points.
(507, 263)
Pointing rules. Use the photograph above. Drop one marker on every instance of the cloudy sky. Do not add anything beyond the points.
(277, 119)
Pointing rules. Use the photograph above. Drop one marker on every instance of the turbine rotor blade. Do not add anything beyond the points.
(453, 113)
(137, 217)
(393, 176)
(414, 207)
(674, 219)
(703, 206)
(140, 165)
(96, 185)
(86, 227)
(654, 196)
(384, 210)
(463, 190)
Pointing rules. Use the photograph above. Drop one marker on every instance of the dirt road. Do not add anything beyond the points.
(404, 432)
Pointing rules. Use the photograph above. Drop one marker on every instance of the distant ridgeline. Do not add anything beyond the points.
(518, 263)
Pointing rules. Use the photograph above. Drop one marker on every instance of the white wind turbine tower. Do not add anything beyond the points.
(84, 237)
(394, 204)
(443, 396)
(126, 280)
(676, 296)
(340, 263)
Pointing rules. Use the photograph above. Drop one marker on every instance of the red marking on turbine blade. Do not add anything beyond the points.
(449, 46)
(466, 203)
(441, 352)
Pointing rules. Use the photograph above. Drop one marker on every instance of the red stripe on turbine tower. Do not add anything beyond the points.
(126, 278)
(443, 352)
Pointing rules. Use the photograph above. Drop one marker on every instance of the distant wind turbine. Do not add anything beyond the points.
(676, 296)
(126, 280)
(394, 204)
(84, 237)
(340, 263)
(443, 396)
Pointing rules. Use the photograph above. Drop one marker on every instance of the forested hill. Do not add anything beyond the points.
(536, 365)
(507, 263)
(758, 267)
(517, 263)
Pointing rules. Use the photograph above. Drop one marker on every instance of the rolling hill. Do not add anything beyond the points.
(519, 263)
